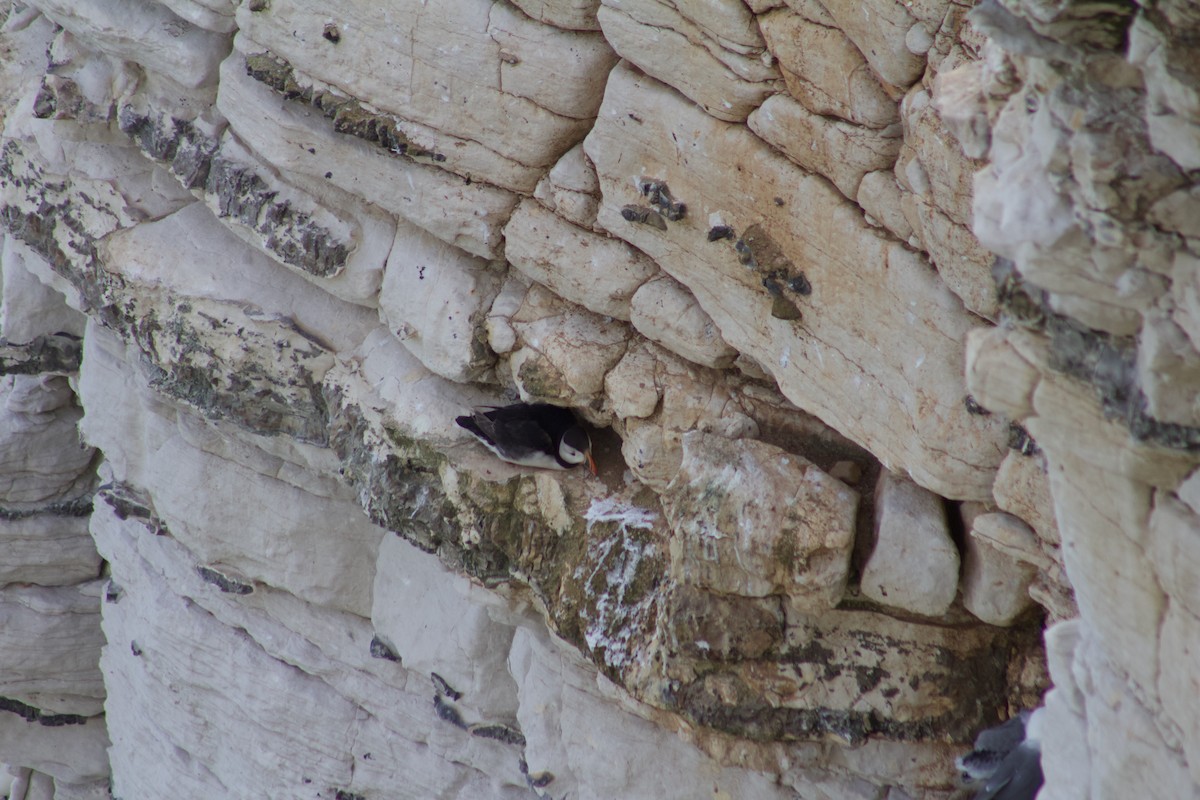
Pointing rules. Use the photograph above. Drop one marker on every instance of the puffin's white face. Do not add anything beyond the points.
(570, 454)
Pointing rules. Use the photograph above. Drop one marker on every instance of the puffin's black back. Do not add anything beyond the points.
(524, 430)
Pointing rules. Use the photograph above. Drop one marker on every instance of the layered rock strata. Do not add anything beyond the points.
(883, 324)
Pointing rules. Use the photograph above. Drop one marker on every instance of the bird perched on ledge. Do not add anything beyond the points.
(532, 435)
(1006, 763)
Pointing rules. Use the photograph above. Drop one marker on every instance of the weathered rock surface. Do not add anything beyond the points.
(783, 249)
(914, 563)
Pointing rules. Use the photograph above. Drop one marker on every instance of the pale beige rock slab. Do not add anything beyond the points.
(1066, 759)
(1022, 488)
(663, 41)
(213, 15)
(995, 584)
(1062, 640)
(840, 151)
(566, 713)
(70, 753)
(41, 457)
(750, 519)
(570, 189)
(362, 230)
(999, 376)
(1168, 371)
(597, 272)
(1129, 756)
(144, 32)
(280, 535)
(631, 386)
(825, 71)
(1174, 550)
(577, 15)
(48, 550)
(880, 196)
(664, 311)
(1179, 651)
(295, 140)
(30, 308)
(442, 73)
(878, 29)
(914, 564)
(1098, 510)
(311, 667)
(435, 299)
(1173, 102)
(49, 646)
(443, 623)
(563, 351)
(913, 318)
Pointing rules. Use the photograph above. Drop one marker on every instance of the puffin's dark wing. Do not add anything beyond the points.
(514, 433)
(554, 419)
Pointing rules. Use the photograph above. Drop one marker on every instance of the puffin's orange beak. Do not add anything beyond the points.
(591, 462)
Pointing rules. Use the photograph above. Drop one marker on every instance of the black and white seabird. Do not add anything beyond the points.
(1006, 763)
(532, 435)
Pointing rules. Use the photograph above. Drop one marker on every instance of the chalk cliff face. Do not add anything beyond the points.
(885, 318)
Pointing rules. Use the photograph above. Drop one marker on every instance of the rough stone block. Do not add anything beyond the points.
(840, 151)
(41, 458)
(571, 189)
(995, 583)
(825, 71)
(48, 549)
(435, 299)
(803, 221)
(753, 520)
(461, 108)
(914, 564)
(597, 272)
(725, 77)
(664, 311)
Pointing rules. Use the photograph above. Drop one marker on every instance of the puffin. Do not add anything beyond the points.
(1006, 763)
(532, 435)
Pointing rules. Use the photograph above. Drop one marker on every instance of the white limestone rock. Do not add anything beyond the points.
(1066, 760)
(74, 754)
(49, 647)
(567, 713)
(298, 142)
(1001, 376)
(1178, 683)
(912, 317)
(280, 535)
(576, 15)
(914, 564)
(28, 307)
(878, 28)
(1173, 103)
(435, 299)
(451, 86)
(47, 549)
(840, 151)
(750, 519)
(144, 32)
(1174, 551)
(41, 457)
(213, 15)
(825, 71)
(709, 52)
(664, 311)
(632, 386)
(597, 272)
(335, 241)
(1023, 489)
(1168, 371)
(880, 196)
(563, 351)
(995, 580)
(570, 189)
(442, 623)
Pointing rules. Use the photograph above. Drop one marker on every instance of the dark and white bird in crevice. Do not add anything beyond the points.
(532, 435)
(1006, 763)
